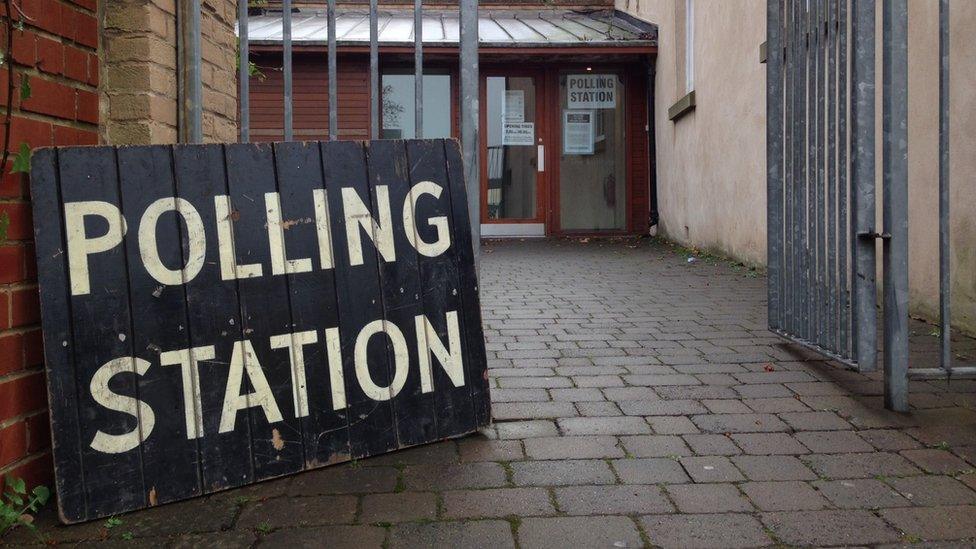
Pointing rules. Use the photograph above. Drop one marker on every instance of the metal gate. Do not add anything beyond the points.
(468, 61)
(821, 190)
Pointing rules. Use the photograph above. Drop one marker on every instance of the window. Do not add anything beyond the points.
(397, 110)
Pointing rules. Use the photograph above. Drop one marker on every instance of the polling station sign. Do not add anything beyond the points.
(217, 315)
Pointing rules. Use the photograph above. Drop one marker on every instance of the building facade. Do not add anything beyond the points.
(564, 132)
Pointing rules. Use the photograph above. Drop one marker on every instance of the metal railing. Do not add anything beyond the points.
(468, 89)
(821, 186)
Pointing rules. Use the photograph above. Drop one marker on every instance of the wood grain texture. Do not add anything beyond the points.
(203, 306)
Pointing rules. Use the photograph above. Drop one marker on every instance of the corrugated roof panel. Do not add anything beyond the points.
(498, 27)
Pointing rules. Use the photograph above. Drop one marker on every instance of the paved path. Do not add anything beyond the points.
(638, 400)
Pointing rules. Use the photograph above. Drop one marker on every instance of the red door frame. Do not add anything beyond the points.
(541, 138)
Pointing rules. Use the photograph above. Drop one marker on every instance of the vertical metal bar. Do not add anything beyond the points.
(895, 181)
(789, 123)
(286, 59)
(944, 287)
(809, 175)
(864, 315)
(374, 71)
(418, 68)
(796, 116)
(774, 160)
(244, 71)
(818, 209)
(843, 215)
(194, 80)
(830, 339)
(333, 73)
(469, 115)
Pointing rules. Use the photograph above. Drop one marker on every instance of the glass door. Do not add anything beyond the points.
(512, 156)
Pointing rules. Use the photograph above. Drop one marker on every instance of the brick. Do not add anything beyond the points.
(819, 528)
(712, 530)
(11, 353)
(13, 443)
(773, 468)
(19, 215)
(454, 477)
(532, 410)
(297, 511)
(11, 264)
(25, 307)
(33, 348)
(519, 395)
(578, 532)
(438, 453)
(598, 409)
(814, 421)
(498, 502)
(526, 429)
(612, 500)
(784, 496)
(22, 394)
(402, 507)
(50, 55)
(769, 444)
(650, 471)
(708, 498)
(50, 98)
(936, 461)
(604, 426)
(888, 439)
(4, 310)
(490, 450)
(860, 494)
(833, 442)
(739, 423)
(75, 64)
(655, 446)
(866, 465)
(64, 135)
(678, 425)
(934, 523)
(711, 469)
(661, 407)
(573, 447)
(561, 473)
(712, 445)
(463, 535)
(87, 110)
(933, 490)
(345, 479)
(288, 538)
(577, 395)
(775, 405)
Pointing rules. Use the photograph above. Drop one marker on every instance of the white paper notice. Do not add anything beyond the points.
(578, 132)
(518, 133)
(591, 91)
(514, 106)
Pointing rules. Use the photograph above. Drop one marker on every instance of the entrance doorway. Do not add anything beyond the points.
(513, 154)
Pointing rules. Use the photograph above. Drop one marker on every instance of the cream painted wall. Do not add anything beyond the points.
(711, 162)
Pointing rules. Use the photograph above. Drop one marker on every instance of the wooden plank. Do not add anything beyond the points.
(102, 333)
(52, 275)
(214, 322)
(276, 434)
(313, 300)
(442, 285)
(477, 365)
(358, 294)
(160, 316)
(402, 292)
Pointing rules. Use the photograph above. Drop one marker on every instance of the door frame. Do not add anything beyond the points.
(541, 138)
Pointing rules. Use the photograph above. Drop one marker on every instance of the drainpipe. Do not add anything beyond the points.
(651, 145)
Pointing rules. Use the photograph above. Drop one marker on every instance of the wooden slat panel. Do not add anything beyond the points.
(236, 313)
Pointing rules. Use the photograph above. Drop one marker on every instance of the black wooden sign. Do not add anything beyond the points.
(217, 315)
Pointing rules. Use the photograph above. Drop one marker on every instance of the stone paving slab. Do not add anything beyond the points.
(639, 401)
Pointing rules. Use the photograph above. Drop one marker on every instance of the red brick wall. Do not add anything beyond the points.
(57, 50)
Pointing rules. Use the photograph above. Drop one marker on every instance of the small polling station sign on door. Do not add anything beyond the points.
(217, 315)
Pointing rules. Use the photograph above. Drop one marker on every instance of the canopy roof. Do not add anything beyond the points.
(496, 27)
